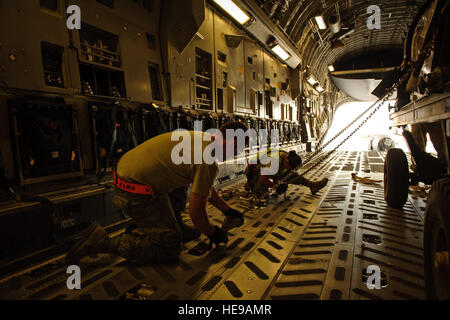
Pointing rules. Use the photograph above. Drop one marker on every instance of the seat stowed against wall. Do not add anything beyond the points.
(114, 133)
(46, 139)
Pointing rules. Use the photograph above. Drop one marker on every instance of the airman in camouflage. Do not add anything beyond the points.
(151, 189)
(259, 184)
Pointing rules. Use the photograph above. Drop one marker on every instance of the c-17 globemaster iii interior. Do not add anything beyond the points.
(224, 150)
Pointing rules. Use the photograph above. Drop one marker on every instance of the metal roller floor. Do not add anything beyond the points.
(303, 247)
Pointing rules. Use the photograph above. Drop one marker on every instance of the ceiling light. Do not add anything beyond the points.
(232, 9)
(200, 36)
(320, 89)
(311, 80)
(320, 22)
(281, 52)
(331, 68)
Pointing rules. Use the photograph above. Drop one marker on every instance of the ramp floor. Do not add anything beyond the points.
(304, 247)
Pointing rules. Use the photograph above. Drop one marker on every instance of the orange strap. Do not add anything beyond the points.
(131, 187)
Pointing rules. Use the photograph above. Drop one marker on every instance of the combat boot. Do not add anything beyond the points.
(189, 233)
(317, 185)
(92, 238)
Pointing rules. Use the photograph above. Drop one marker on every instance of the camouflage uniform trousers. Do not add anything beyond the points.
(158, 236)
(419, 132)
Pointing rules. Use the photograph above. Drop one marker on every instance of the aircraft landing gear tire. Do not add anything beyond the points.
(396, 178)
(437, 241)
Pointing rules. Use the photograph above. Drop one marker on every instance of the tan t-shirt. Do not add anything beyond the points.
(151, 164)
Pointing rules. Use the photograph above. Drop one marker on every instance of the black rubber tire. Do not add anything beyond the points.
(396, 178)
(437, 239)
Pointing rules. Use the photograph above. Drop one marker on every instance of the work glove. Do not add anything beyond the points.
(234, 219)
(219, 236)
(281, 188)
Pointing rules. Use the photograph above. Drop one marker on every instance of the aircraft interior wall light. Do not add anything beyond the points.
(233, 10)
(311, 80)
(277, 49)
(319, 88)
(320, 22)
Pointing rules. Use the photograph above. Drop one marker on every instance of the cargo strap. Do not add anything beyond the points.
(131, 187)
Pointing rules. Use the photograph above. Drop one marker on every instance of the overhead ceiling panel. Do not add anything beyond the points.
(293, 16)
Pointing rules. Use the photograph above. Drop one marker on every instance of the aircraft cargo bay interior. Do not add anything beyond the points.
(224, 150)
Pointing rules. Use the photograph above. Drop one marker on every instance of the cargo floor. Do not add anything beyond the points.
(303, 247)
